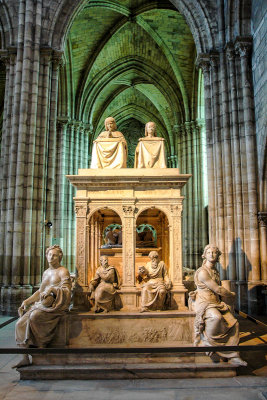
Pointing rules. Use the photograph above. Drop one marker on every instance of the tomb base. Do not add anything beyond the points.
(124, 332)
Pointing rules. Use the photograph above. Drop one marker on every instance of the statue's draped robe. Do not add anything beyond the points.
(38, 325)
(106, 282)
(154, 291)
(150, 153)
(109, 152)
(222, 330)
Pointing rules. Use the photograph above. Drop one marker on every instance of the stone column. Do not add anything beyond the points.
(236, 167)
(243, 47)
(57, 60)
(227, 172)
(217, 162)
(189, 193)
(9, 58)
(204, 63)
(203, 229)
(262, 217)
(61, 183)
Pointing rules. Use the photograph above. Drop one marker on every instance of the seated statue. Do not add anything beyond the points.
(156, 284)
(150, 151)
(215, 325)
(41, 312)
(103, 288)
(110, 148)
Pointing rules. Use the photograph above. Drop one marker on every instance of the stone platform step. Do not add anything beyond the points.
(127, 371)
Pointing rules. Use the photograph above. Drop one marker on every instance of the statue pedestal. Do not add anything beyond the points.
(129, 197)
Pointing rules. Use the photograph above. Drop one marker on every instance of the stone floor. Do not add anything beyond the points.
(250, 384)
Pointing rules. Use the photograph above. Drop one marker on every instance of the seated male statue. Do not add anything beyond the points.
(41, 312)
(215, 324)
(150, 151)
(156, 284)
(103, 288)
(110, 148)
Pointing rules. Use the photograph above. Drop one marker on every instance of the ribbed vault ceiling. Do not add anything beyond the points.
(131, 59)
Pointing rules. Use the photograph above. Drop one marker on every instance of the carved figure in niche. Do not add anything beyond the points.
(215, 325)
(145, 238)
(41, 312)
(113, 238)
(156, 284)
(103, 288)
(150, 151)
(110, 148)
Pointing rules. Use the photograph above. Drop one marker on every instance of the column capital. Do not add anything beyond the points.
(8, 55)
(230, 51)
(62, 122)
(81, 209)
(243, 46)
(58, 58)
(214, 60)
(203, 62)
(200, 122)
(262, 218)
(128, 210)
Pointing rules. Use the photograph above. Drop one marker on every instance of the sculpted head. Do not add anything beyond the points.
(153, 255)
(211, 253)
(54, 254)
(103, 261)
(110, 124)
(151, 129)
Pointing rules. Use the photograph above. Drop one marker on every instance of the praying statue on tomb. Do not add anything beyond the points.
(103, 288)
(150, 151)
(215, 324)
(41, 312)
(110, 148)
(155, 284)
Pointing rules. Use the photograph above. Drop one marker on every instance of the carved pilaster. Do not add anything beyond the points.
(176, 245)
(81, 210)
(128, 245)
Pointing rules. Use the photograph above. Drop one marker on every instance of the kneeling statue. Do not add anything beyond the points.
(103, 288)
(215, 325)
(156, 284)
(41, 312)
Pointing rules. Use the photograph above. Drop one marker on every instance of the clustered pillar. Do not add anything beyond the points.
(231, 160)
